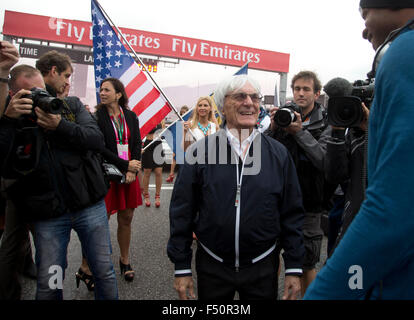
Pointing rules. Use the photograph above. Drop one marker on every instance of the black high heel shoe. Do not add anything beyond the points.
(126, 271)
(86, 278)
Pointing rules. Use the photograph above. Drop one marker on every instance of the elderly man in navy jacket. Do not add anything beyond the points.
(239, 192)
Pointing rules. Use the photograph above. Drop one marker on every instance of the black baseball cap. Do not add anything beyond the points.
(386, 4)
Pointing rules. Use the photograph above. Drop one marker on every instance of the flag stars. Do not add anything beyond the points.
(99, 57)
(100, 34)
(110, 33)
(108, 65)
(118, 53)
(109, 44)
(99, 68)
(117, 64)
(108, 55)
(101, 22)
(100, 45)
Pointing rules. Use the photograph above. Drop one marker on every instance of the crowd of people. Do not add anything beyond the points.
(249, 195)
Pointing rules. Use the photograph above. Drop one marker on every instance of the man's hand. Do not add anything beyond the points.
(292, 288)
(130, 177)
(295, 126)
(364, 122)
(181, 285)
(19, 106)
(46, 120)
(272, 112)
(9, 56)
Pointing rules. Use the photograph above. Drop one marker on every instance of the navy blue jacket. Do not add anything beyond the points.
(204, 196)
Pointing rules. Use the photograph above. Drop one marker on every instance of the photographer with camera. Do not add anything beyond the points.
(298, 126)
(375, 258)
(345, 159)
(59, 181)
(15, 249)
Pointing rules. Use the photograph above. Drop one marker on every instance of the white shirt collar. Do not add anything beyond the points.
(240, 149)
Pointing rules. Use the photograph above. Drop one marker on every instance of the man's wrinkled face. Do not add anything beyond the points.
(29, 82)
(241, 107)
(378, 24)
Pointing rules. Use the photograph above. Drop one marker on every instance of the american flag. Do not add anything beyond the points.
(111, 59)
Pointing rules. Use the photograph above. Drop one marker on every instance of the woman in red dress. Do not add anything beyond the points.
(120, 128)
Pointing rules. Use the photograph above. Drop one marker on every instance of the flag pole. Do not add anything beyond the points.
(165, 129)
(172, 123)
(144, 68)
(139, 59)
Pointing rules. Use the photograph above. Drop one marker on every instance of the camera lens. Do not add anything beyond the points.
(345, 111)
(56, 106)
(284, 117)
(50, 104)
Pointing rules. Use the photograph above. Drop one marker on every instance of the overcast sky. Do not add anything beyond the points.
(320, 35)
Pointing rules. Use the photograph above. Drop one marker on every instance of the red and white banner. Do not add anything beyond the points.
(76, 32)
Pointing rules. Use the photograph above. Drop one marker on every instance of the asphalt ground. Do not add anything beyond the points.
(154, 273)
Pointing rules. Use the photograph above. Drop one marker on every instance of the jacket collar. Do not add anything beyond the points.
(51, 90)
(317, 117)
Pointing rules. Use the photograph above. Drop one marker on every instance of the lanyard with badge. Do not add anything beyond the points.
(119, 133)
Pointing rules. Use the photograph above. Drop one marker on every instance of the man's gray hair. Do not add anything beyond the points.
(230, 85)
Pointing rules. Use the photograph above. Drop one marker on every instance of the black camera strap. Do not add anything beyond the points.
(67, 112)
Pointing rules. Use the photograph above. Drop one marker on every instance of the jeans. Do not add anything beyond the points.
(51, 238)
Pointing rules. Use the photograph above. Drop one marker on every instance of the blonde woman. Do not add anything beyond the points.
(202, 122)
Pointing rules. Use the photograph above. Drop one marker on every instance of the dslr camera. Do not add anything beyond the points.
(347, 111)
(42, 99)
(286, 114)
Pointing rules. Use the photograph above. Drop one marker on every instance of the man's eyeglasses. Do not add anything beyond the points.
(241, 96)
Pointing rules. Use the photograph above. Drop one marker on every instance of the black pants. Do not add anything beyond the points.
(14, 249)
(217, 281)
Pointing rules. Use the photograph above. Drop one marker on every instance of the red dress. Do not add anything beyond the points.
(123, 196)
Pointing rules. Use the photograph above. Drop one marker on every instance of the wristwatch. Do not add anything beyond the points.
(5, 80)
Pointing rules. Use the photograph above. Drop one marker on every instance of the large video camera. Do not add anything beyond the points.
(42, 99)
(346, 110)
(286, 114)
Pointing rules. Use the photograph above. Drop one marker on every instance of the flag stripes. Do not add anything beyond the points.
(111, 59)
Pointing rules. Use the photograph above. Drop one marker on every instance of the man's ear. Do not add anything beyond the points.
(53, 71)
